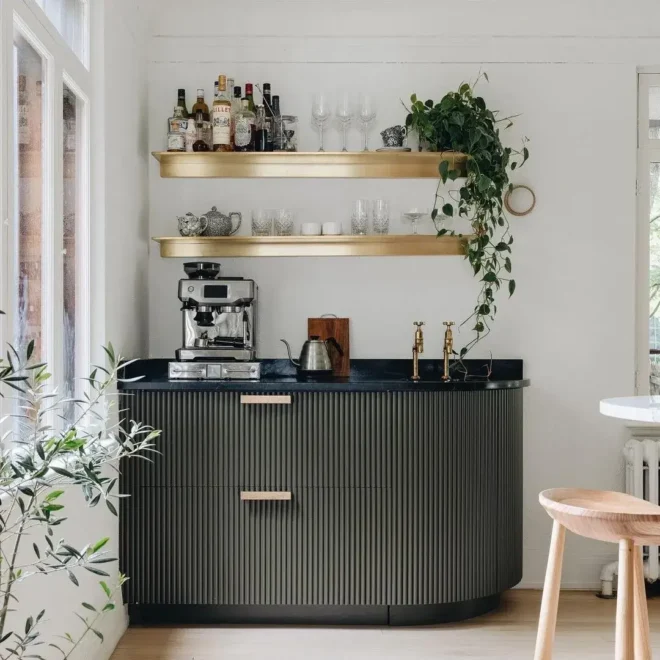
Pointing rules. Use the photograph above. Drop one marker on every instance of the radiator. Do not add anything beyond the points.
(642, 456)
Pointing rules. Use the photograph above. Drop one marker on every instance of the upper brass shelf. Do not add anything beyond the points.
(311, 246)
(307, 165)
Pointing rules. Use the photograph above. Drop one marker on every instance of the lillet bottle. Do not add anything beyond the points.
(222, 118)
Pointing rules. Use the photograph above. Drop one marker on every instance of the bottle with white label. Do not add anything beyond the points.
(222, 118)
(244, 128)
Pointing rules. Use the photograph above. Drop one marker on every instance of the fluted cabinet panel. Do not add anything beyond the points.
(398, 498)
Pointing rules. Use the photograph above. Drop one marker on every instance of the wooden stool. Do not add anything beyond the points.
(605, 516)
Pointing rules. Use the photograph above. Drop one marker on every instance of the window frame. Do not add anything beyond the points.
(62, 66)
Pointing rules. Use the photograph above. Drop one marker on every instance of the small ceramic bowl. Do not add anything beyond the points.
(310, 229)
(331, 228)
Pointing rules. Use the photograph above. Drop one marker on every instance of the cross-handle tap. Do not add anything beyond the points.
(448, 349)
(418, 347)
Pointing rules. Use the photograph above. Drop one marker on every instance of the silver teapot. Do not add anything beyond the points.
(191, 225)
(220, 224)
(314, 357)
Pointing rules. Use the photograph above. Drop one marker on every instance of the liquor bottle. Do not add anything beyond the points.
(222, 118)
(278, 143)
(245, 128)
(261, 136)
(230, 86)
(200, 143)
(215, 90)
(249, 96)
(235, 108)
(201, 105)
(268, 107)
(182, 103)
(176, 133)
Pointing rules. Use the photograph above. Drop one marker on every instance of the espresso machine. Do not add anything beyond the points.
(219, 326)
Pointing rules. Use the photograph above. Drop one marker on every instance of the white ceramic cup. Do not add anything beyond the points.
(332, 228)
(310, 229)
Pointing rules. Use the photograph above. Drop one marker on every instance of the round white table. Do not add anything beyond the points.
(633, 408)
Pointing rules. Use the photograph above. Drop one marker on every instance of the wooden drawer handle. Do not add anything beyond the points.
(268, 399)
(265, 495)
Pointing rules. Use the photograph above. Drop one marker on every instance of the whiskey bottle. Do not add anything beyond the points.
(222, 118)
(201, 105)
(245, 130)
(249, 96)
(200, 143)
(182, 103)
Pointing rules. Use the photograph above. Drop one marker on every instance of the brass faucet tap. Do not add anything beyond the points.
(418, 347)
(448, 349)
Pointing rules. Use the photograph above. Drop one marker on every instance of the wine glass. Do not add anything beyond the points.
(367, 115)
(414, 215)
(344, 115)
(321, 113)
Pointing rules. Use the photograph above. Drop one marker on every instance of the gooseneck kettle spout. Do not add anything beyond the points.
(295, 363)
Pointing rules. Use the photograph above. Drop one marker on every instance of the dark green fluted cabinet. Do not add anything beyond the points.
(400, 501)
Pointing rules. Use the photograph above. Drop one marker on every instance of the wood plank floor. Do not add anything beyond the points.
(585, 631)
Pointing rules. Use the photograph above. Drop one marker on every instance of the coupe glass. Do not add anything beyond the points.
(321, 113)
(367, 115)
(344, 115)
(414, 215)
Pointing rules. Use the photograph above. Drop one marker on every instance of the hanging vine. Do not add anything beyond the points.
(462, 122)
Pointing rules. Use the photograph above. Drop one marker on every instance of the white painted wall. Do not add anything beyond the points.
(570, 69)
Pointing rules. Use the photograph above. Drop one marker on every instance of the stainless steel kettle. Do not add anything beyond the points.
(314, 357)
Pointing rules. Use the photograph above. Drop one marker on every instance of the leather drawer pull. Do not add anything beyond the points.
(265, 495)
(268, 399)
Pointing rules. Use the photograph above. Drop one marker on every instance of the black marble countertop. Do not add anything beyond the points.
(366, 376)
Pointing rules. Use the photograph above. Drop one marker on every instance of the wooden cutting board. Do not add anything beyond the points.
(337, 328)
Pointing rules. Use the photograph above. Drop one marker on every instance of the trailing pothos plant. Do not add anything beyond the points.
(462, 122)
(53, 445)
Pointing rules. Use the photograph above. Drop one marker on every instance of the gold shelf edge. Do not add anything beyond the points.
(302, 246)
(305, 164)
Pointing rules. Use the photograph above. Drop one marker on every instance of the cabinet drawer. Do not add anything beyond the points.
(311, 439)
(210, 547)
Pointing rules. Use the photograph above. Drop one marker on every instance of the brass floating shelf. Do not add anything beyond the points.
(311, 246)
(307, 165)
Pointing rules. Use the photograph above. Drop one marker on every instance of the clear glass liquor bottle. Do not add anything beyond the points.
(245, 130)
(176, 130)
(222, 118)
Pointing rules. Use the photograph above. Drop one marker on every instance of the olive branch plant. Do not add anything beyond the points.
(54, 445)
(462, 122)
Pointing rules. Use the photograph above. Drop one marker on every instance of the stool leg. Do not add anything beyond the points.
(548, 618)
(642, 645)
(625, 608)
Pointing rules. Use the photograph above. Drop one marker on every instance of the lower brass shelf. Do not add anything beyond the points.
(311, 246)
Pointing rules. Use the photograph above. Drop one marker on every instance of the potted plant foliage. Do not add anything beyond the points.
(52, 445)
(462, 122)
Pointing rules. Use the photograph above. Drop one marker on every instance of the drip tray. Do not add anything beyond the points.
(214, 370)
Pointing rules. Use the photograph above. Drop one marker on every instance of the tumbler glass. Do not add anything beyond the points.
(381, 216)
(262, 222)
(283, 222)
(360, 217)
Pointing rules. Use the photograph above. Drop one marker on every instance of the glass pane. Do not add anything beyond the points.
(654, 113)
(68, 16)
(70, 199)
(28, 195)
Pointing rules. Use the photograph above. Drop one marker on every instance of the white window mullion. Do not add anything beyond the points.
(53, 220)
